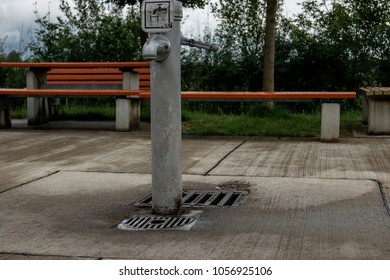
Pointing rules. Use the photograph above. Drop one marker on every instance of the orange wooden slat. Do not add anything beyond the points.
(184, 95)
(142, 70)
(84, 71)
(144, 77)
(74, 64)
(110, 82)
(260, 95)
(266, 95)
(68, 92)
(84, 77)
(144, 83)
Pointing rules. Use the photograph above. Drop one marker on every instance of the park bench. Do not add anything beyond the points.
(129, 82)
(376, 109)
(48, 81)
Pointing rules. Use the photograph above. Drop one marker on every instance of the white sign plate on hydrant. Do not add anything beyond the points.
(157, 16)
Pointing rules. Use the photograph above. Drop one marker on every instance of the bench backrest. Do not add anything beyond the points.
(94, 76)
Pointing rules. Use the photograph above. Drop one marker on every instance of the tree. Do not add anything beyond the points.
(93, 31)
(241, 26)
(11, 77)
(2, 43)
(269, 46)
(342, 43)
(240, 34)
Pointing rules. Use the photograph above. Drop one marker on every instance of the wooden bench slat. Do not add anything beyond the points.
(142, 71)
(76, 64)
(53, 76)
(365, 91)
(142, 84)
(259, 95)
(267, 95)
(185, 94)
(84, 71)
(68, 92)
(385, 90)
(144, 77)
(375, 91)
(84, 78)
(86, 82)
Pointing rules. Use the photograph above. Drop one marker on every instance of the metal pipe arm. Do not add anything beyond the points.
(199, 44)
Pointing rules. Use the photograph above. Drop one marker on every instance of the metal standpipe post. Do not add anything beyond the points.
(166, 119)
(161, 19)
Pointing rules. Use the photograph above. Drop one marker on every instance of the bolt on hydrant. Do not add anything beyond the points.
(161, 19)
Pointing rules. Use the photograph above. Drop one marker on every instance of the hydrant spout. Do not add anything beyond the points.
(157, 48)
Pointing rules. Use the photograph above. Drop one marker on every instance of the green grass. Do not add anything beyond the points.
(350, 121)
(74, 112)
(277, 122)
(292, 125)
(88, 113)
(19, 113)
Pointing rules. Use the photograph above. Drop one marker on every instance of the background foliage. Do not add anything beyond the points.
(92, 31)
(330, 45)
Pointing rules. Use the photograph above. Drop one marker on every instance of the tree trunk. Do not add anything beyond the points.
(269, 47)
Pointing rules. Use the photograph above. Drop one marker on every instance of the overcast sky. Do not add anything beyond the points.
(17, 16)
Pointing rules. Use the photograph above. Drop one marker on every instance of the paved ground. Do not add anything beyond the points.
(63, 189)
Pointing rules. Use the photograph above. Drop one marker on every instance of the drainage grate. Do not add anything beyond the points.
(154, 222)
(217, 198)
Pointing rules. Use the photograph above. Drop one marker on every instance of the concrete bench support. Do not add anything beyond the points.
(37, 107)
(127, 114)
(5, 117)
(379, 117)
(128, 110)
(37, 110)
(330, 122)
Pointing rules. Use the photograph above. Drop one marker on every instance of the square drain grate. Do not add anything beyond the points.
(155, 222)
(200, 198)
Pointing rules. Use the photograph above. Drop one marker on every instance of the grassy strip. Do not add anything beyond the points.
(277, 122)
(74, 112)
(350, 121)
(86, 113)
(19, 113)
(295, 125)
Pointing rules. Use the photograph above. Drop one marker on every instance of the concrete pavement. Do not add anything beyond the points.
(63, 190)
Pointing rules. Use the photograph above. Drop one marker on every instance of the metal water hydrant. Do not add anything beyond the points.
(161, 19)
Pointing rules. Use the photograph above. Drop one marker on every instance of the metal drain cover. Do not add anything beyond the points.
(155, 222)
(200, 198)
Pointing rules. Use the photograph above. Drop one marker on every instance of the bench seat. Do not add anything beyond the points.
(375, 91)
(190, 95)
(266, 96)
(376, 109)
(122, 80)
(11, 92)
